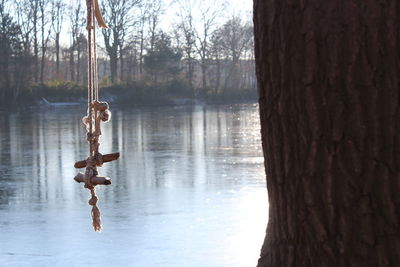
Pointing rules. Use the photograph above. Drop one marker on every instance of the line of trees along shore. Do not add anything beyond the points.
(202, 52)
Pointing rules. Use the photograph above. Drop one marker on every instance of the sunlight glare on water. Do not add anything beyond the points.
(188, 190)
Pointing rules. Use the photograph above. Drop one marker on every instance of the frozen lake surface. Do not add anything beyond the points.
(188, 190)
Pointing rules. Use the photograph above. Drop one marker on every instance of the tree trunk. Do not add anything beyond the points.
(35, 43)
(141, 49)
(204, 75)
(190, 73)
(57, 41)
(6, 73)
(218, 74)
(44, 43)
(113, 66)
(328, 78)
(78, 64)
(133, 66)
(112, 51)
(72, 62)
(42, 65)
(122, 65)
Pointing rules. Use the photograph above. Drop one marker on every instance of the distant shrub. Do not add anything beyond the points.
(233, 96)
(179, 88)
(56, 90)
(136, 93)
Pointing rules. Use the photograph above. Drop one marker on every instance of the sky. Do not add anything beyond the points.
(244, 5)
(242, 8)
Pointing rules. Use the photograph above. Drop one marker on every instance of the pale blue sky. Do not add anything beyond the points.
(242, 8)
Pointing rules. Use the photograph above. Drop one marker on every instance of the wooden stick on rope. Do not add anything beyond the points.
(97, 112)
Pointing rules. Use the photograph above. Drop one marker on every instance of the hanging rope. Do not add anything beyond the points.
(97, 112)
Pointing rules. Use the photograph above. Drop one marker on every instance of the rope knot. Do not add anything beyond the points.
(100, 106)
(95, 211)
(93, 201)
(89, 137)
(85, 120)
(91, 162)
(89, 174)
(90, 171)
(105, 115)
(99, 159)
(93, 137)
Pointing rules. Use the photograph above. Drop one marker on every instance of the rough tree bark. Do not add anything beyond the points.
(328, 77)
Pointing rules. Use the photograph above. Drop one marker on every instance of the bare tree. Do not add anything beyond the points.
(118, 15)
(216, 58)
(187, 28)
(155, 10)
(77, 22)
(34, 17)
(131, 57)
(23, 74)
(24, 13)
(143, 14)
(57, 19)
(45, 35)
(209, 12)
(208, 55)
(235, 38)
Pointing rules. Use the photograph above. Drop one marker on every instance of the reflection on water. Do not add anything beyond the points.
(188, 190)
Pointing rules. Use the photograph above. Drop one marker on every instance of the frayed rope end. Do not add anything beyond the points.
(96, 219)
(95, 211)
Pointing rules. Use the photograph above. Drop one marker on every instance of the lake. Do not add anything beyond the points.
(188, 190)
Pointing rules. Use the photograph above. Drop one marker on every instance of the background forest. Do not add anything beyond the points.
(154, 52)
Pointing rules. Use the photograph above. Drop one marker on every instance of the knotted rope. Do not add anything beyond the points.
(91, 172)
(97, 112)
